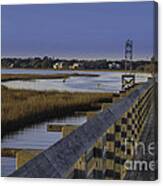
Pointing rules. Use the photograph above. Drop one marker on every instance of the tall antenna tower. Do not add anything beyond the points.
(128, 80)
(128, 54)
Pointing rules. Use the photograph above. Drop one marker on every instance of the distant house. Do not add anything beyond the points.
(76, 66)
(56, 66)
(110, 66)
(60, 66)
(114, 66)
(118, 66)
(11, 65)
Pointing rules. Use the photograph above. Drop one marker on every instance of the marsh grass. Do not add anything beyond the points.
(13, 77)
(21, 108)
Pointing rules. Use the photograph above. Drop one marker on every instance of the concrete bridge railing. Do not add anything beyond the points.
(98, 148)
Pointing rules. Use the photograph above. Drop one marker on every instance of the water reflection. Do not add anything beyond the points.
(8, 165)
(34, 137)
(105, 82)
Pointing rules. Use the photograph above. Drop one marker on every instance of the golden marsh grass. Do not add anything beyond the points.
(22, 108)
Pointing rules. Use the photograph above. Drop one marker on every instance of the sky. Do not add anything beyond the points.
(91, 31)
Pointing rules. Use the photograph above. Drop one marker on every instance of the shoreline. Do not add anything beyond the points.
(79, 70)
(13, 77)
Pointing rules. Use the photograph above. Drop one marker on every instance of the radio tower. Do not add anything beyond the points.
(128, 54)
(128, 80)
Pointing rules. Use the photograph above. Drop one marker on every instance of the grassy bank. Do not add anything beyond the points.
(22, 108)
(12, 77)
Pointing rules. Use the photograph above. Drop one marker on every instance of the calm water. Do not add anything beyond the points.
(8, 165)
(106, 82)
(37, 137)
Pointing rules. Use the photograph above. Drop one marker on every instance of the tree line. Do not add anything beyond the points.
(99, 64)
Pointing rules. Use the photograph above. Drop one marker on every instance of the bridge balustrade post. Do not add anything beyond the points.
(118, 150)
(98, 158)
(109, 152)
(79, 170)
(123, 121)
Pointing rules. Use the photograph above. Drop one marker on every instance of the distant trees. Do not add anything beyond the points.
(99, 64)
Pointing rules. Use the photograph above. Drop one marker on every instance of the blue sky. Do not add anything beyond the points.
(96, 30)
